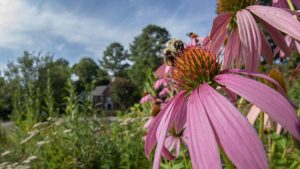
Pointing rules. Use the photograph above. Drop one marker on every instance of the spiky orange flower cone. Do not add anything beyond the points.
(195, 66)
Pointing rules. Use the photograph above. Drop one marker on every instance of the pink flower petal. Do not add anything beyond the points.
(264, 97)
(232, 95)
(150, 140)
(266, 49)
(277, 37)
(235, 134)
(147, 124)
(278, 129)
(260, 75)
(253, 114)
(147, 98)
(219, 23)
(164, 92)
(278, 18)
(161, 83)
(173, 143)
(163, 71)
(162, 129)
(280, 4)
(164, 124)
(205, 42)
(231, 49)
(250, 39)
(267, 122)
(297, 13)
(185, 136)
(202, 143)
(167, 154)
(177, 146)
(180, 116)
(297, 3)
(169, 143)
(219, 31)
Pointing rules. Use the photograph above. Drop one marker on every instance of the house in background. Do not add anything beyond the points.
(101, 98)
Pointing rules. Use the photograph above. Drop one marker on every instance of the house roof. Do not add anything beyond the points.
(98, 91)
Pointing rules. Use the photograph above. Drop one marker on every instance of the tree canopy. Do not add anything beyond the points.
(114, 59)
(145, 53)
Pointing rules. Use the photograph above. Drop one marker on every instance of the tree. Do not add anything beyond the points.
(59, 72)
(5, 99)
(26, 80)
(86, 70)
(114, 60)
(145, 53)
(122, 90)
(102, 78)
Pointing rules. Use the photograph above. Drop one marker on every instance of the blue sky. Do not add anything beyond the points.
(72, 29)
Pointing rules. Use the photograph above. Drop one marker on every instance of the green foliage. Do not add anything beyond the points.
(102, 78)
(71, 100)
(37, 89)
(27, 78)
(86, 71)
(294, 92)
(145, 53)
(5, 99)
(114, 60)
(128, 133)
(49, 100)
(122, 90)
(58, 72)
(283, 152)
(75, 140)
(79, 142)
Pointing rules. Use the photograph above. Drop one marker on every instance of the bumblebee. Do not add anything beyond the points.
(172, 50)
(193, 35)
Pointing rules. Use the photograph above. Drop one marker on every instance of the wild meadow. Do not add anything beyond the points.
(229, 99)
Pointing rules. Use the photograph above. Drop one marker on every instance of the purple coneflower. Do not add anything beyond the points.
(147, 98)
(163, 82)
(211, 120)
(163, 71)
(238, 27)
(164, 92)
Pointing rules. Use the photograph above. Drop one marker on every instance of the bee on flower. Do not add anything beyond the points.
(209, 121)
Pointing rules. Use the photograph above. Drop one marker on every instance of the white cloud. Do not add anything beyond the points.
(2, 67)
(19, 21)
(25, 26)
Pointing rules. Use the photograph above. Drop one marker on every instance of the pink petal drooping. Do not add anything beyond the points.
(232, 49)
(235, 134)
(219, 31)
(250, 39)
(264, 97)
(278, 18)
(202, 143)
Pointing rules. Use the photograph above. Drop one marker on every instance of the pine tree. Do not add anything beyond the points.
(114, 60)
(146, 53)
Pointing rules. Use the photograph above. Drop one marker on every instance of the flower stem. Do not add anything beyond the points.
(284, 153)
(240, 102)
(272, 151)
(228, 163)
(261, 126)
(172, 164)
(184, 159)
(290, 5)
